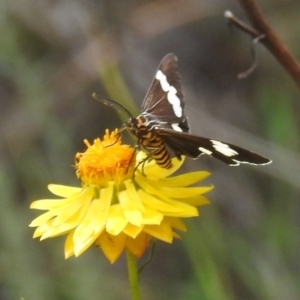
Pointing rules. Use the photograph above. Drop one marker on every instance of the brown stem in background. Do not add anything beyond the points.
(270, 40)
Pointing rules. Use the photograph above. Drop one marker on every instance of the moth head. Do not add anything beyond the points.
(131, 124)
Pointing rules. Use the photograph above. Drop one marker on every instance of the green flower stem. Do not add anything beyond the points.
(133, 276)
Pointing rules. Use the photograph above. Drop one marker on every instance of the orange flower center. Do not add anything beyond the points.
(106, 160)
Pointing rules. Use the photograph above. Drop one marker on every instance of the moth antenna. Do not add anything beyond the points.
(113, 104)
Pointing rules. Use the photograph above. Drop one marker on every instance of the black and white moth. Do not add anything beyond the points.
(162, 127)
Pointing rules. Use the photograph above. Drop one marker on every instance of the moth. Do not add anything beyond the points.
(162, 127)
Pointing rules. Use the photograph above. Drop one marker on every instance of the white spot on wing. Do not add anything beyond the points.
(223, 148)
(163, 80)
(178, 111)
(172, 98)
(176, 127)
(175, 101)
(205, 151)
(171, 93)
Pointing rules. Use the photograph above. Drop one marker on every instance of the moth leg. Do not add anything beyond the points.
(130, 161)
(178, 155)
(142, 162)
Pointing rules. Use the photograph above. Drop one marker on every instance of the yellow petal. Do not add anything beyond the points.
(167, 206)
(86, 227)
(42, 219)
(65, 214)
(80, 248)
(133, 217)
(69, 245)
(162, 232)
(133, 231)
(52, 232)
(116, 220)
(176, 223)
(185, 192)
(94, 222)
(152, 216)
(64, 209)
(48, 204)
(138, 245)
(158, 204)
(49, 230)
(112, 246)
(42, 229)
(131, 204)
(183, 180)
(152, 170)
(197, 201)
(135, 202)
(73, 214)
(62, 190)
(177, 236)
(56, 231)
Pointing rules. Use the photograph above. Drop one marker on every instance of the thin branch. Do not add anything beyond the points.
(240, 24)
(271, 41)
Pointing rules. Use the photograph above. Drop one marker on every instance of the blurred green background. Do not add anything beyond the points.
(55, 53)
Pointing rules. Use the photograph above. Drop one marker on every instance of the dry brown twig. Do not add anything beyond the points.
(264, 33)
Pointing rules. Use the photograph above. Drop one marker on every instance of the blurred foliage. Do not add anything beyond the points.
(55, 54)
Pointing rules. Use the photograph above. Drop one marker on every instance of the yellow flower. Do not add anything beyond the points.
(122, 204)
